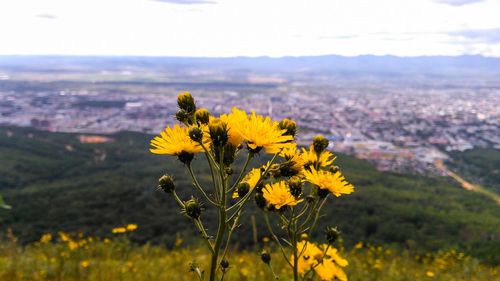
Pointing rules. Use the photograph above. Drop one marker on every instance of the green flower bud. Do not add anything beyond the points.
(289, 125)
(224, 264)
(186, 102)
(185, 157)
(288, 169)
(183, 117)
(260, 200)
(332, 234)
(310, 199)
(322, 193)
(218, 132)
(166, 183)
(196, 134)
(202, 115)
(192, 208)
(228, 170)
(320, 143)
(295, 184)
(334, 169)
(243, 189)
(265, 256)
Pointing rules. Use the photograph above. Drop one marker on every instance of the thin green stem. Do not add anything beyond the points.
(270, 228)
(198, 186)
(240, 176)
(222, 220)
(318, 211)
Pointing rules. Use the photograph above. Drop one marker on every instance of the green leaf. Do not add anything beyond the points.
(2, 204)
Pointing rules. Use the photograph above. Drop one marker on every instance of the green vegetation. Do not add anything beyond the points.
(53, 182)
(89, 258)
(480, 165)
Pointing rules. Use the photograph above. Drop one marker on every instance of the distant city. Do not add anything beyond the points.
(408, 122)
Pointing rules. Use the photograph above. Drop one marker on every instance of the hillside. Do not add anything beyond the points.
(55, 182)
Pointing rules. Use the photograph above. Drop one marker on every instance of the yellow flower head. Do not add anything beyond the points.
(310, 157)
(333, 182)
(278, 195)
(131, 227)
(46, 238)
(119, 230)
(252, 178)
(328, 270)
(235, 121)
(261, 132)
(294, 163)
(174, 141)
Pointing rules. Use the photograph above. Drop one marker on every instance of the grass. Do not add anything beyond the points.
(64, 257)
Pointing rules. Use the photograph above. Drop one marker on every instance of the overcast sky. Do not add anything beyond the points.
(223, 28)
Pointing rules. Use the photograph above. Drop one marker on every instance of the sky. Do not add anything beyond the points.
(226, 28)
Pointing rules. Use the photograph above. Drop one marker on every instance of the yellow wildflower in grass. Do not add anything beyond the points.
(85, 263)
(46, 238)
(131, 227)
(310, 157)
(119, 230)
(72, 245)
(174, 141)
(333, 182)
(63, 236)
(278, 195)
(262, 132)
(327, 266)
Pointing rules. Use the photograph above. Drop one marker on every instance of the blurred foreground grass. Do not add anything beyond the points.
(86, 258)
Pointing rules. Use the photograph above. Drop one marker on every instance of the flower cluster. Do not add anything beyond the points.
(294, 184)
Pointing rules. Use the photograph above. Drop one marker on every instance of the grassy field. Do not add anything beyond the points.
(64, 257)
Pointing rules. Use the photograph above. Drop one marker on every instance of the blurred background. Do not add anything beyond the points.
(408, 93)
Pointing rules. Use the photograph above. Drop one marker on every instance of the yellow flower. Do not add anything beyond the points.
(261, 132)
(131, 227)
(46, 238)
(119, 230)
(430, 274)
(64, 237)
(174, 141)
(333, 254)
(309, 258)
(85, 263)
(328, 270)
(333, 182)
(278, 195)
(252, 178)
(235, 121)
(310, 157)
(294, 163)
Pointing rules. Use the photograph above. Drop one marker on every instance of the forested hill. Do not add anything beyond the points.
(54, 181)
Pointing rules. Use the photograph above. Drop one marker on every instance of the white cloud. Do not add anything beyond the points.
(242, 27)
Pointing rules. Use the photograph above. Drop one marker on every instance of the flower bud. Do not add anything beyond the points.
(218, 132)
(196, 134)
(265, 256)
(260, 200)
(192, 208)
(322, 193)
(185, 157)
(334, 169)
(289, 125)
(224, 264)
(183, 117)
(243, 188)
(186, 102)
(310, 199)
(166, 183)
(320, 143)
(332, 234)
(228, 170)
(202, 116)
(288, 169)
(295, 184)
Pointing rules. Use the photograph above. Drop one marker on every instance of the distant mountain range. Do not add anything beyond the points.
(367, 64)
